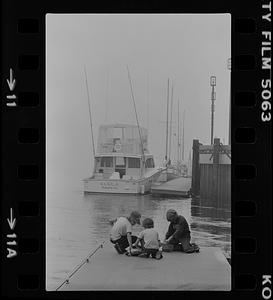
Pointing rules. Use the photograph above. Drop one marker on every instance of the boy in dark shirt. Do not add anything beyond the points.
(178, 236)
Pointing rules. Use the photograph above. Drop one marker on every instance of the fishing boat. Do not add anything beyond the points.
(122, 163)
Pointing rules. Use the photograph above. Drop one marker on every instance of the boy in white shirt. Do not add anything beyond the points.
(149, 240)
(121, 232)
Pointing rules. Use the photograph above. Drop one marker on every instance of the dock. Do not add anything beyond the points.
(108, 270)
(176, 187)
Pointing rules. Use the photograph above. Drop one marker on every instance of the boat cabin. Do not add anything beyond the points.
(122, 167)
(120, 152)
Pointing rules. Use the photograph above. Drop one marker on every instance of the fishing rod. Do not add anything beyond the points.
(90, 116)
(84, 261)
(142, 148)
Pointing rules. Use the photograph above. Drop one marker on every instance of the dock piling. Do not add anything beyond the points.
(195, 168)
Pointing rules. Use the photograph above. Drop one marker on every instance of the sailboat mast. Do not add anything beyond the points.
(180, 138)
(148, 104)
(90, 115)
(178, 133)
(142, 148)
(183, 147)
(171, 124)
(167, 125)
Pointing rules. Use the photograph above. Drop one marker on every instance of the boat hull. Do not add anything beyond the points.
(120, 186)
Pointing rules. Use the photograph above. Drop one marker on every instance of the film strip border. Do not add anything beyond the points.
(23, 153)
(23, 156)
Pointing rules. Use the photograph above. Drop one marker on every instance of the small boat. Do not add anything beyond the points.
(180, 186)
(122, 163)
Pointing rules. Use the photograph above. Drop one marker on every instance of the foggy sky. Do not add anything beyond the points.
(188, 49)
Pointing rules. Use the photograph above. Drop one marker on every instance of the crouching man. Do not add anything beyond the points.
(121, 232)
(178, 236)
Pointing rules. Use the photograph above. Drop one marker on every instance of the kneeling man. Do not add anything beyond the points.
(178, 236)
(121, 232)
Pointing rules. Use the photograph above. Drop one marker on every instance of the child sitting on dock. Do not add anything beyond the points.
(121, 232)
(149, 240)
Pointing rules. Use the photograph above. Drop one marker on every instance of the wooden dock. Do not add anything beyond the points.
(176, 187)
(107, 270)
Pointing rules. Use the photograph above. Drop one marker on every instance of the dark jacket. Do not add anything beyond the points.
(178, 229)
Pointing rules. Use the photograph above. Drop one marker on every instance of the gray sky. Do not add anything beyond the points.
(186, 48)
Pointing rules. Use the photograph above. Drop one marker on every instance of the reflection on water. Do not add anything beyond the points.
(77, 223)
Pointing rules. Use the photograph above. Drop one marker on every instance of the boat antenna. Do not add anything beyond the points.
(133, 98)
(171, 125)
(90, 116)
(167, 125)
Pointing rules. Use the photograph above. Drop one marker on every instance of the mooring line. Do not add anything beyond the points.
(86, 260)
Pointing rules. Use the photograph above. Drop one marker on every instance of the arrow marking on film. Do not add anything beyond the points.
(11, 82)
(11, 221)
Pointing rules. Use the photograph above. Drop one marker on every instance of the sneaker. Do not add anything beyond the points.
(145, 255)
(190, 251)
(119, 250)
(196, 247)
(158, 254)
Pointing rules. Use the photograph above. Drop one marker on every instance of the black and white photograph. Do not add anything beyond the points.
(138, 152)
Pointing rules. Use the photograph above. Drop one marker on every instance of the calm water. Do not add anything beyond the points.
(77, 223)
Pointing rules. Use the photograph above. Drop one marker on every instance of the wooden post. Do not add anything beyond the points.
(216, 149)
(195, 177)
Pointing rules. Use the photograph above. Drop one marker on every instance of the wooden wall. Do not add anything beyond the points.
(211, 173)
(219, 190)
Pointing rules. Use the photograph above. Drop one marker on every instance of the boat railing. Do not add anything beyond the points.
(77, 268)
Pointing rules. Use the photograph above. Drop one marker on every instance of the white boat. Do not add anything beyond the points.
(122, 163)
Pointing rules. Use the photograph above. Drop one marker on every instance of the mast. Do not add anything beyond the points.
(167, 131)
(106, 98)
(183, 146)
(171, 124)
(142, 148)
(178, 133)
(90, 116)
(180, 139)
(148, 108)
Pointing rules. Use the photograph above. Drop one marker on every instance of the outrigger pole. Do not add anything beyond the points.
(130, 81)
(90, 116)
